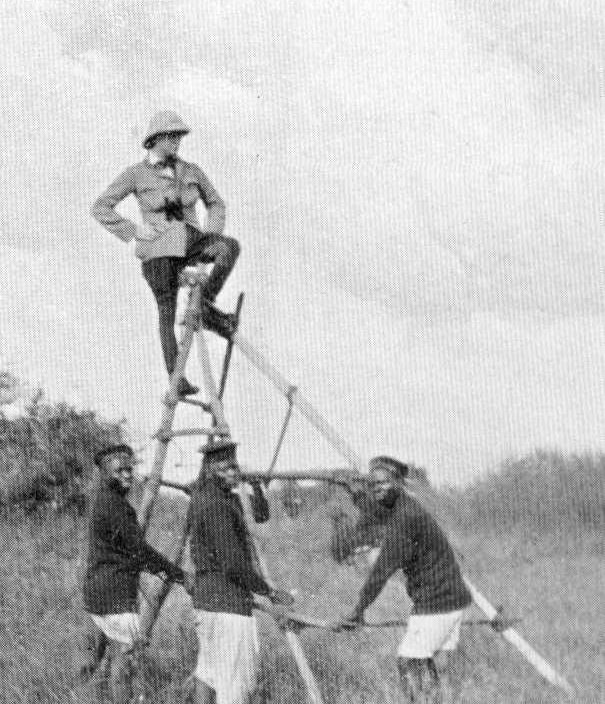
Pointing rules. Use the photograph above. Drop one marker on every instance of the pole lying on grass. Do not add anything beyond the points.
(346, 451)
(511, 635)
(300, 621)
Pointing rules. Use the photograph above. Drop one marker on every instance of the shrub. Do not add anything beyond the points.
(48, 453)
(541, 491)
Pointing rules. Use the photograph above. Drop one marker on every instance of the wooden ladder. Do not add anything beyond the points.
(213, 406)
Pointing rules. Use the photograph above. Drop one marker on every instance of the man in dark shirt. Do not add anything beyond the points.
(117, 554)
(413, 542)
(225, 580)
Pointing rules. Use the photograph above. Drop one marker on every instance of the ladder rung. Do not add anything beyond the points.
(192, 402)
(161, 434)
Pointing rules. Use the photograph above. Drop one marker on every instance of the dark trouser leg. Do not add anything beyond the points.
(162, 276)
(218, 250)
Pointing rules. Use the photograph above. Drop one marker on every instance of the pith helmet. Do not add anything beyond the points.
(164, 122)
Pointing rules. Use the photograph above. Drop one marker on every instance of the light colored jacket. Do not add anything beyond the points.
(152, 185)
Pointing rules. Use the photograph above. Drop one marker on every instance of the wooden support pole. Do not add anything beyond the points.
(188, 432)
(298, 401)
(526, 650)
(282, 436)
(313, 692)
(211, 390)
(339, 444)
(227, 359)
(343, 478)
(229, 351)
(150, 607)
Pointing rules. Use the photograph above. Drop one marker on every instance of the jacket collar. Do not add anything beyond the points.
(153, 160)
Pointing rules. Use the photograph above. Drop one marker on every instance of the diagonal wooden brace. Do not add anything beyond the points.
(345, 450)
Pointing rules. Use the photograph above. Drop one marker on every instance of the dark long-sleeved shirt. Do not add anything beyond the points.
(225, 574)
(117, 554)
(414, 543)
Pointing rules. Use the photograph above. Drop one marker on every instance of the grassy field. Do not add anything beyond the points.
(550, 574)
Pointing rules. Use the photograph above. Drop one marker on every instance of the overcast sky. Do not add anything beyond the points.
(418, 194)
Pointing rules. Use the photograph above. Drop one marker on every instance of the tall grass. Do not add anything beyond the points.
(541, 492)
(556, 589)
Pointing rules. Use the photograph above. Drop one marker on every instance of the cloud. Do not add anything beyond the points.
(418, 193)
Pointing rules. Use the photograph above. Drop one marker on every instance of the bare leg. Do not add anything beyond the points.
(433, 684)
(121, 673)
(419, 679)
(95, 646)
(203, 693)
(452, 665)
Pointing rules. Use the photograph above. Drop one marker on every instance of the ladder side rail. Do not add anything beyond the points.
(229, 350)
(150, 607)
(158, 591)
(154, 479)
(209, 383)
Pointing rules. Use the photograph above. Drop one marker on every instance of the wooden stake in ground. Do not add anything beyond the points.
(313, 693)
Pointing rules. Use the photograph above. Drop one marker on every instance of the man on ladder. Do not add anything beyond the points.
(171, 237)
